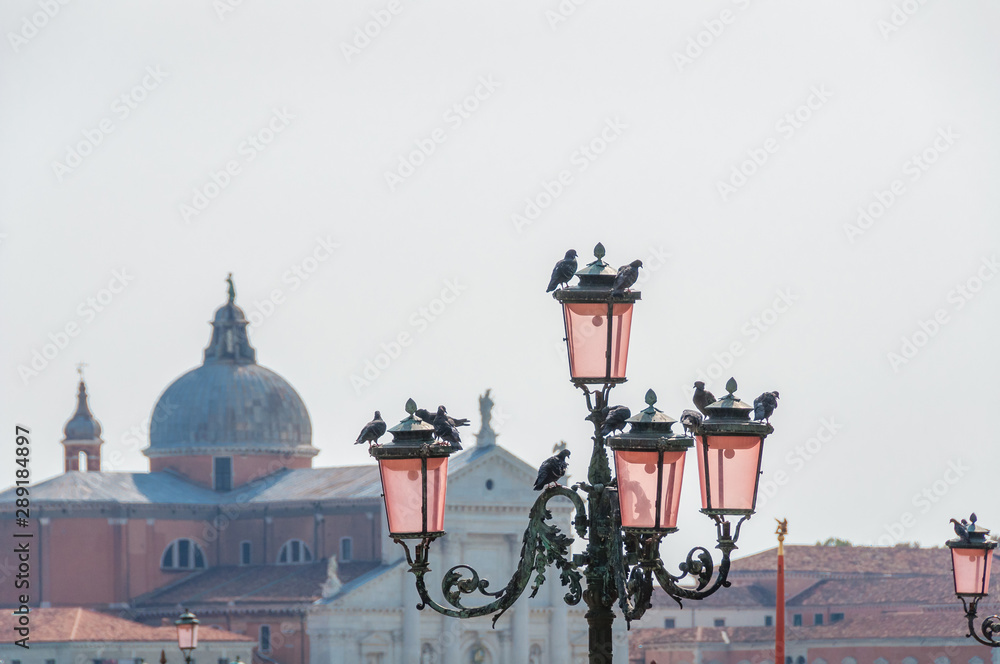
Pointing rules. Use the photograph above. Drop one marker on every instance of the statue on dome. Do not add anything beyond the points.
(232, 289)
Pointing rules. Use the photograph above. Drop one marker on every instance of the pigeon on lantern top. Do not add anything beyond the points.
(444, 430)
(563, 271)
(372, 431)
(702, 397)
(691, 420)
(764, 405)
(551, 470)
(614, 418)
(626, 278)
(966, 530)
(428, 417)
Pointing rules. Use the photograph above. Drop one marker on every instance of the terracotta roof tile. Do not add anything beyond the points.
(60, 625)
(917, 625)
(251, 584)
(849, 560)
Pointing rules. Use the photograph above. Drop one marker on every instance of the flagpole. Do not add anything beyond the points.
(779, 628)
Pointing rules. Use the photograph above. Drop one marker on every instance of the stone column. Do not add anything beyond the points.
(558, 647)
(520, 640)
(451, 628)
(411, 621)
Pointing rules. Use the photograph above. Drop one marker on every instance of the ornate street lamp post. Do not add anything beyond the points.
(971, 560)
(187, 634)
(624, 518)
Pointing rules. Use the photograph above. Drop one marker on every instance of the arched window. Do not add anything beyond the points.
(294, 552)
(881, 660)
(81, 460)
(909, 660)
(976, 660)
(942, 660)
(427, 654)
(848, 660)
(183, 553)
(535, 654)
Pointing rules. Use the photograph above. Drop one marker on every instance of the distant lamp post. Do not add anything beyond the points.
(971, 561)
(623, 517)
(187, 634)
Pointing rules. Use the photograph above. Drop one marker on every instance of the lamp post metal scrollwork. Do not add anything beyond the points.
(622, 518)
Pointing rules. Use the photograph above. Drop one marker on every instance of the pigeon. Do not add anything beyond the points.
(445, 430)
(702, 397)
(426, 416)
(961, 529)
(372, 431)
(627, 276)
(691, 419)
(563, 271)
(551, 470)
(764, 405)
(614, 418)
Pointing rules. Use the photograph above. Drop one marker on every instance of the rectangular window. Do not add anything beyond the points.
(223, 660)
(265, 638)
(245, 553)
(768, 621)
(669, 623)
(222, 471)
(836, 617)
(797, 620)
(346, 549)
(818, 619)
(719, 622)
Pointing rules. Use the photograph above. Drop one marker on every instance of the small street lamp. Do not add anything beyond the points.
(187, 634)
(971, 561)
(623, 518)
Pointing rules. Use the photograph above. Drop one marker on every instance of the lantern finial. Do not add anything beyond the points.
(411, 406)
(650, 397)
(731, 386)
(599, 251)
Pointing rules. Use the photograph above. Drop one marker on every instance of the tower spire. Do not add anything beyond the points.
(82, 434)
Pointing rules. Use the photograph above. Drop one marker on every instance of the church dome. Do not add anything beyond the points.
(230, 404)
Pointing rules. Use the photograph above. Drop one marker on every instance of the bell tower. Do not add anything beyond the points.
(82, 440)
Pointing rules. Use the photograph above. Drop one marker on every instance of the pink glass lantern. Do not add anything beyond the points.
(971, 558)
(414, 472)
(649, 466)
(730, 447)
(597, 324)
(187, 633)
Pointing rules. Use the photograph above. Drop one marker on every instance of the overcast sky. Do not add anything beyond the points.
(811, 186)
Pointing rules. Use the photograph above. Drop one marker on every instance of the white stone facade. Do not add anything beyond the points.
(375, 621)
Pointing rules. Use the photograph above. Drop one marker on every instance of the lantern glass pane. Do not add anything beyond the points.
(972, 570)
(403, 487)
(731, 473)
(437, 482)
(187, 636)
(587, 338)
(636, 472)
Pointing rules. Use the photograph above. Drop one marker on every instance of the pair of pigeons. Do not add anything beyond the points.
(445, 427)
(763, 406)
(566, 268)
